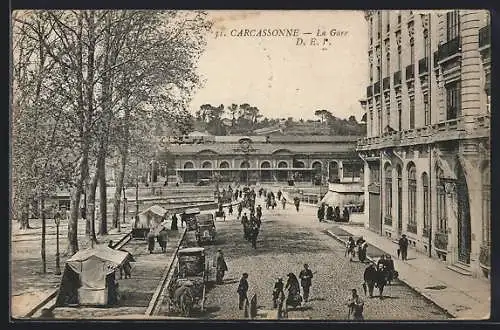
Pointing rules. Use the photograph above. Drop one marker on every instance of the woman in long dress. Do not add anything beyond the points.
(294, 299)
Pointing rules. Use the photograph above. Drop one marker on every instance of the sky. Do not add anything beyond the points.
(280, 75)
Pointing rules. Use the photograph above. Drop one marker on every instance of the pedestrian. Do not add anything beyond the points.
(392, 273)
(230, 209)
(381, 280)
(403, 247)
(279, 194)
(370, 279)
(162, 239)
(337, 213)
(242, 290)
(345, 215)
(110, 244)
(151, 241)
(356, 305)
(329, 213)
(277, 292)
(296, 201)
(320, 214)
(292, 284)
(254, 233)
(240, 209)
(350, 248)
(221, 266)
(283, 202)
(306, 276)
(173, 226)
(259, 212)
(362, 251)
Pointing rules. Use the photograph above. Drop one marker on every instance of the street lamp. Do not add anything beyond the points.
(57, 219)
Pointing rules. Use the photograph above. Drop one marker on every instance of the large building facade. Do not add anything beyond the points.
(309, 159)
(427, 151)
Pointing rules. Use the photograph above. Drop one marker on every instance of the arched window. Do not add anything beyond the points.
(412, 199)
(425, 191)
(224, 164)
(299, 164)
(188, 165)
(486, 185)
(207, 164)
(265, 164)
(388, 192)
(334, 171)
(245, 164)
(282, 165)
(317, 167)
(442, 224)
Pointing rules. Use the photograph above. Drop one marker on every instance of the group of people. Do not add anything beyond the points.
(360, 245)
(330, 213)
(379, 275)
(160, 236)
(251, 226)
(292, 285)
(294, 297)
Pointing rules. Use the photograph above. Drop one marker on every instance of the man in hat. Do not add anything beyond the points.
(305, 276)
(220, 265)
(242, 290)
(403, 247)
(370, 277)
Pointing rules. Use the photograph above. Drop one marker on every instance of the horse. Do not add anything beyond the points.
(186, 303)
(183, 301)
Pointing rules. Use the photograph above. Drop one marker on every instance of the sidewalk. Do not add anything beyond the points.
(462, 297)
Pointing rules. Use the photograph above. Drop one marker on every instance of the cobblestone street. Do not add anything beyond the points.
(286, 241)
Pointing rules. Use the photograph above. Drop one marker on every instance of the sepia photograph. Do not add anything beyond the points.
(213, 165)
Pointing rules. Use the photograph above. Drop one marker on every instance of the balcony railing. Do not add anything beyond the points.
(386, 83)
(376, 88)
(410, 72)
(397, 78)
(369, 91)
(448, 49)
(485, 36)
(423, 67)
(442, 131)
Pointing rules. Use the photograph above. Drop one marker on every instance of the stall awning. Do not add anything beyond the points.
(155, 209)
(112, 258)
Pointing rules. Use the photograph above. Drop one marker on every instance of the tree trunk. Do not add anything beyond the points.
(118, 189)
(103, 230)
(91, 206)
(73, 220)
(44, 260)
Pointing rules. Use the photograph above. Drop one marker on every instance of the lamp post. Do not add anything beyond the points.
(57, 219)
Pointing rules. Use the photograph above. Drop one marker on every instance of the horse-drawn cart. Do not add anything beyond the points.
(206, 230)
(188, 286)
(189, 217)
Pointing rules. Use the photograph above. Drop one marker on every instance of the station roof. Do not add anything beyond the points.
(261, 148)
